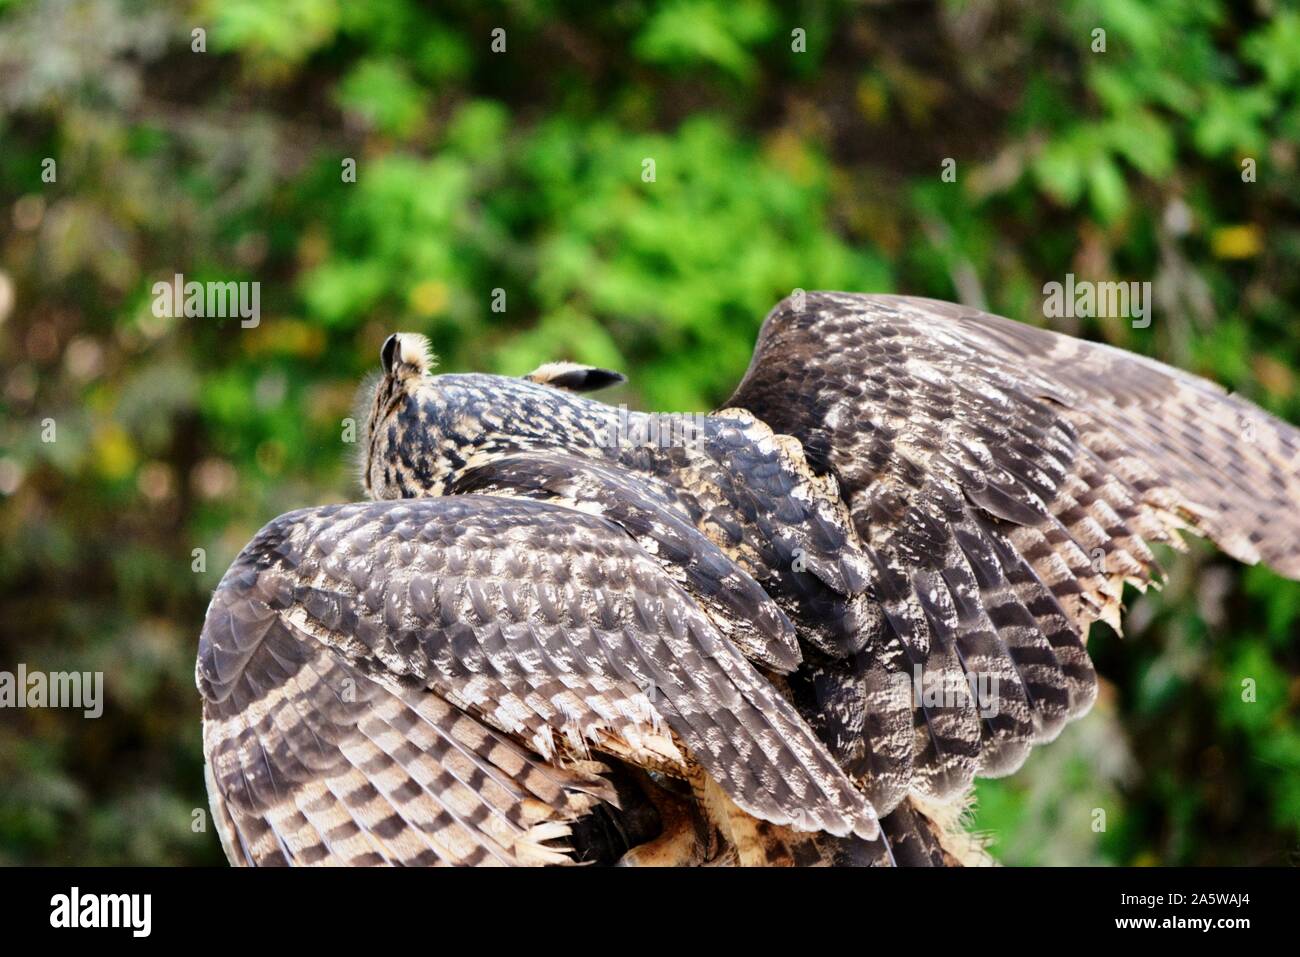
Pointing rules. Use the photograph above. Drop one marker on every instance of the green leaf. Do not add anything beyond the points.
(382, 93)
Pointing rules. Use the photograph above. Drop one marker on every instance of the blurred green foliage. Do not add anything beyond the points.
(781, 159)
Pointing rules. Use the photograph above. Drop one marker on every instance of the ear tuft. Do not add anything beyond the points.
(574, 377)
(408, 353)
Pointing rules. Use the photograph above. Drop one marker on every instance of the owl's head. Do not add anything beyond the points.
(404, 360)
(422, 429)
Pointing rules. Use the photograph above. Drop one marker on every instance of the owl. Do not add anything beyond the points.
(791, 631)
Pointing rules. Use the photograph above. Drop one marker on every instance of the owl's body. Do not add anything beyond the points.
(788, 632)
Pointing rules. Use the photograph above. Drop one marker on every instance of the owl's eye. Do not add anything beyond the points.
(388, 353)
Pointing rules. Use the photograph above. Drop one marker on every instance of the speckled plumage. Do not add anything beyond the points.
(577, 625)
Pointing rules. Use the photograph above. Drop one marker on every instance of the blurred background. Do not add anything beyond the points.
(794, 146)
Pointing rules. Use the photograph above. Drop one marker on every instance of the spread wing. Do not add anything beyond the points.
(421, 681)
(1006, 481)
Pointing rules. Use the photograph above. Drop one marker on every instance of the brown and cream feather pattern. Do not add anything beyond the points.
(553, 640)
